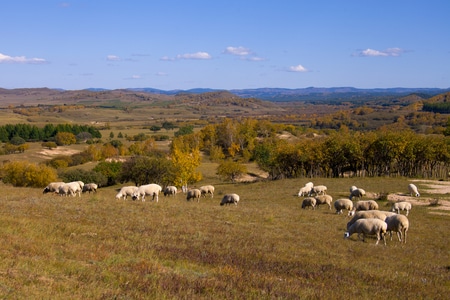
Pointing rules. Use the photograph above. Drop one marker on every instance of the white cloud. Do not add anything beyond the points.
(197, 55)
(240, 51)
(166, 58)
(136, 77)
(112, 58)
(297, 68)
(387, 52)
(161, 74)
(254, 58)
(21, 59)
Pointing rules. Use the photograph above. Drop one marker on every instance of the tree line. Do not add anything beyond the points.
(34, 133)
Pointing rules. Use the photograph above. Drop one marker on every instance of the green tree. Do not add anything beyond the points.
(185, 130)
(111, 170)
(145, 170)
(230, 170)
(49, 145)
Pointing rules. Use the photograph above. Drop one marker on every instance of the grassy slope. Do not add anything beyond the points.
(267, 247)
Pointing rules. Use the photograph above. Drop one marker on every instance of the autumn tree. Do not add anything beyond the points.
(230, 170)
(185, 159)
(25, 174)
(65, 138)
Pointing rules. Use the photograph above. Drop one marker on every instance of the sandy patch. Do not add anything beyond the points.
(60, 151)
(430, 187)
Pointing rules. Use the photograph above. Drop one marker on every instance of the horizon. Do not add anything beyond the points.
(178, 45)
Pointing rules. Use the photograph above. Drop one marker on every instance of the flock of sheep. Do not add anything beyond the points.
(366, 218)
(137, 193)
(70, 188)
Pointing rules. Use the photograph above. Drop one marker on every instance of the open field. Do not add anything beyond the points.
(267, 247)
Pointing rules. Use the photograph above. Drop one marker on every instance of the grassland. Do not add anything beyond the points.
(267, 247)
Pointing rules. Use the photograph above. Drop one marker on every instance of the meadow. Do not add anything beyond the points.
(266, 247)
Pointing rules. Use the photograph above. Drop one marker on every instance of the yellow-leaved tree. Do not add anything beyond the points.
(186, 160)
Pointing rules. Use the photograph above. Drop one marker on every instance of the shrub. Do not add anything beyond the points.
(25, 174)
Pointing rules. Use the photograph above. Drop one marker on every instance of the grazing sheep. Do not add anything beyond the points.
(368, 227)
(310, 201)
(53, 187)
(230, 199)
(207, 189)
(193, 194)
(90, 187)
(352, 188)
(369, 214)
(170, 190)
(81, 183)
(126, 191)
(151, 189)
(304, 191)
(404, 205)
(71, 188)
(399, 224)
(341, 204)
(366, 205)
(358, 192)
(413, 190)
(324, 199)
(319, 190)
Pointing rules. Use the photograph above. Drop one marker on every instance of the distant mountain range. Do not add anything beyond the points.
(310, 93)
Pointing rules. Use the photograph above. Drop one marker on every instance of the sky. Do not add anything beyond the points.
(246, 44)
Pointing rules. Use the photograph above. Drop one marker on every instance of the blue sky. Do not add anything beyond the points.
(182, 44)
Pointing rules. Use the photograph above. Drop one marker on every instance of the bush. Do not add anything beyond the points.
(83, 175)
(25, 174)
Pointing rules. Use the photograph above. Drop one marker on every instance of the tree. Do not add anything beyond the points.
(49, 145)
(155, 128)
(145, 170)
(168, 125)
(25, 174)
(111, 170)
(65, 138)
(231, 170)
(185, 160)
(185, 130)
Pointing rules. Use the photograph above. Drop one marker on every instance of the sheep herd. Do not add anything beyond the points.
(366, 218)
(139, 193)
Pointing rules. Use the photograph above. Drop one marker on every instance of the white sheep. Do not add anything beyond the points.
(352, 188)
(341, 204)
(365, 205)
(399, 224)
(207, 189)
(369, 214)
(193, 194)
(230, 199)
(306, 190)
(71, 188)
(404, 205)
(126, 191)
(53, 187)
(151, 189)
(310, 201)
(324, 199)
(368, 227)
(90, 187)
(358, 192)
(319, 190)
(413, 190)
(170, 190)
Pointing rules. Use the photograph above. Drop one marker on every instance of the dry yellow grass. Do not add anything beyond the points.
(266, 247)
